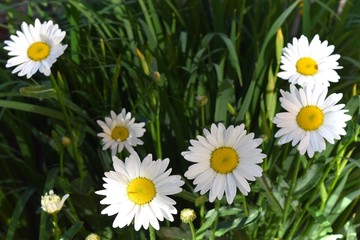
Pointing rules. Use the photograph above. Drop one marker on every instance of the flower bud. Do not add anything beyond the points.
(187, 215)
(51, 203)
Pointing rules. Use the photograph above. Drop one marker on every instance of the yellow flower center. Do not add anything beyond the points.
(141, 191)
(310, 118)
(224, 160)
(120, 133)
(38, 51)
(306, 66)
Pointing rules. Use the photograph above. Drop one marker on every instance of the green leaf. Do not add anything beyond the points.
(271, 193)
(70, 234)
(38, 91)
(308, 181)
(82, 185)
(306, 24)
(15, 217)
(335, 195)
(173, 233)
(31, 108)
(254, 89)
(226, 226)
(230, 211)
(210, 219)
(225, 93)
(253, 216)
(233, 57)
(342, 204)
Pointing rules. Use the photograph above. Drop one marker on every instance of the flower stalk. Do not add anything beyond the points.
(79, 160)
(289, 197)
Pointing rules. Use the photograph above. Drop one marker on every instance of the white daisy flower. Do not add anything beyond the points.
(121, 131)
(224, 160)
(35, 48)
(51, 203)
(138, 191)
(311, 118)
(309, 64)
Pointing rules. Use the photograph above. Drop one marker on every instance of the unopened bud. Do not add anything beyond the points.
(156, 76)
(51, 203)
(201, 100)
(92, 236)
(65, 141)
(187, 215)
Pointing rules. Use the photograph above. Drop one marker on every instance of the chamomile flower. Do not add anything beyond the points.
(35, 48)
(51, 203)
(119, 131)
(309, 64)
(311, 118)
(224, 159)
(138, 191)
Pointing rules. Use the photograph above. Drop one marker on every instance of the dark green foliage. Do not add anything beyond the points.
(225, 50)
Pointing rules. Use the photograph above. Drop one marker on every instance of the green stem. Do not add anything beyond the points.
(56, 226)
(62, 162)
(73, 217)
(214, 225)
(158, 132)
(315, 193)
(132, 233)
(269, 191)
(203, 116)
(340, 165)
(246, 212)
(153, 132)
(202, 213)
(73, 144)
(289, 196)
(339, 168)
(286, 153)
(192, 229)
(152, 233)
(246, 209)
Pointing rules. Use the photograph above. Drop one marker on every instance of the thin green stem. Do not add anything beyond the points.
(158, 132)
(289, 195)
(62, 162)
(315, 193)
(340, 165)
(202, 213)
(246, 209)
(132, 234)
(56, 226)
(334, 182)
(214, 225)
(192, 229)
(269, 191)
(286, 153)
(73, 144)
(246, 212)
(202, 115)
(62, 104)
(152, 233)
(153, 132)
